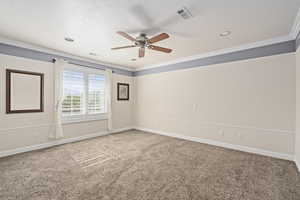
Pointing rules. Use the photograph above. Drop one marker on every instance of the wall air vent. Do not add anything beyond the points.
(185, 13)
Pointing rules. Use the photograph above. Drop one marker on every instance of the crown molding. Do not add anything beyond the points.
(50, 52)
(222, 51)
(58, 53)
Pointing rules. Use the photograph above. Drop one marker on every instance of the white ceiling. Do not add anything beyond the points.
(93, 23)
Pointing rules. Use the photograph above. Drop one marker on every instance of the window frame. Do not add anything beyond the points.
(86, 116)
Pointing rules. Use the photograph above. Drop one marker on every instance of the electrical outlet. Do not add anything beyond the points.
(195, 107)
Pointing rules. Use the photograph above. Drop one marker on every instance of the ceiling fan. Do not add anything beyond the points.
(143, 42)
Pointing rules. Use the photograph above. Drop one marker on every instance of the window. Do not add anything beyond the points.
(96, 100)
(83, 95)
(73, 93)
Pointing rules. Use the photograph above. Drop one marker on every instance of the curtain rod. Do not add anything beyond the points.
(54, 60)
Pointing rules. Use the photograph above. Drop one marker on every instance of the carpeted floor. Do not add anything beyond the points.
(137, 166)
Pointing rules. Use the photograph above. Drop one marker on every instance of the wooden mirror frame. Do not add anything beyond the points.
(8, 92)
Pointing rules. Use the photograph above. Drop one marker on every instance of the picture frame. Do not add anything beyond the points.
(123, 92)
(24, 91)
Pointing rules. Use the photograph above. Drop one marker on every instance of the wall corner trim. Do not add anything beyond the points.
(221, 144)
(296, 26)
(297, 164)
(60, 142)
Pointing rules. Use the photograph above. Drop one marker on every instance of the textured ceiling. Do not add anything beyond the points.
(93, 23)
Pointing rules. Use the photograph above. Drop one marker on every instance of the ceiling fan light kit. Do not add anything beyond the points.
(143, 42)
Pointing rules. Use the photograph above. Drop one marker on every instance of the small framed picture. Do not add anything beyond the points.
(24, 91)
(123, 92)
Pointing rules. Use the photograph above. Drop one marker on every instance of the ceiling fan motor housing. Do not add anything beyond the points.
(141, 41)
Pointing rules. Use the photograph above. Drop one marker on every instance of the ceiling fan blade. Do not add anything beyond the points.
(124, 47)
(142, 52)
(125, 35)
(158, 38)
(162, 49)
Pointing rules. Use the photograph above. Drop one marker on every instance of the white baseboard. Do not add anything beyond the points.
(58, 142)
(222, 144)
(119, 130)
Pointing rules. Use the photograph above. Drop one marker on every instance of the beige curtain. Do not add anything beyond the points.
(108, 95)
(57, 131)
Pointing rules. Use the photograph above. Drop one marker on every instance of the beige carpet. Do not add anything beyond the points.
(138, 166)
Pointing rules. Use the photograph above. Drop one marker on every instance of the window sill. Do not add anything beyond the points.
(82, 119)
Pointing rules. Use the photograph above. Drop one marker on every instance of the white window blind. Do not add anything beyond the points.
(73, 92)
(96, 96)
(83, 95)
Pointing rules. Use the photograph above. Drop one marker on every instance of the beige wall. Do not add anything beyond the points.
(297, 141)
(249, 103)
(123, 110)
(20, 130)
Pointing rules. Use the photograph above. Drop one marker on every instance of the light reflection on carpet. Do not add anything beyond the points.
(93, 157)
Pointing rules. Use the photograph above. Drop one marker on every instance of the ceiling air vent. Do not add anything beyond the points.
(185, 13)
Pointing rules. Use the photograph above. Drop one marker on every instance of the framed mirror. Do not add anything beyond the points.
(24, 91)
